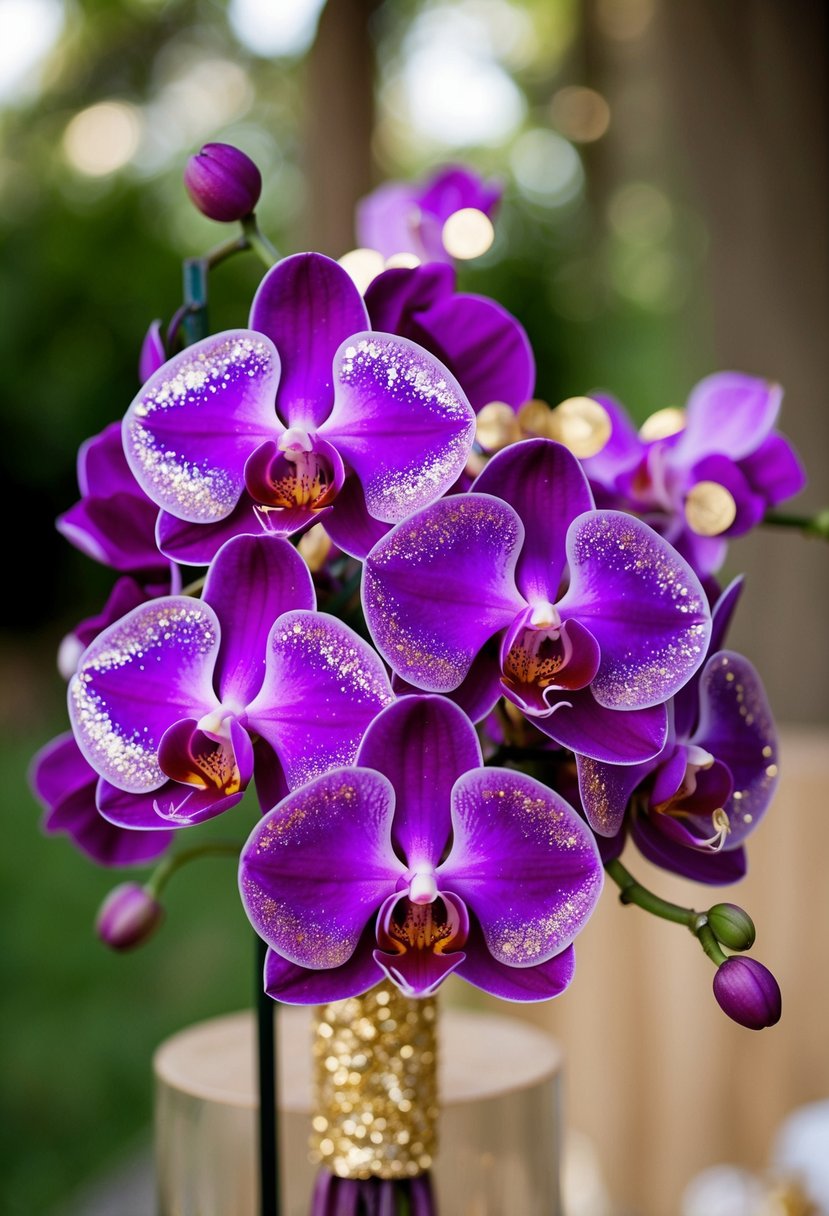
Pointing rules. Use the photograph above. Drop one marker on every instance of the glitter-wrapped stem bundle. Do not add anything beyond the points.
(375, 1080)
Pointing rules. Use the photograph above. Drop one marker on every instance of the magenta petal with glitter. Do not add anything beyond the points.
(322, 687)
(192, 427)
(642, 603)
(440, 585)
(429, 855)
(318, 866)
(400, 420)
(308, 306)
(524, 862)
(136, 679)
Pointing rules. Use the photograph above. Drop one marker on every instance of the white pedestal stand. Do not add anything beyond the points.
(499, 1130)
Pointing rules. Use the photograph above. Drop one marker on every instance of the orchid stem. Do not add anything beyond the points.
(196, 587)
(269, 1188)
(632, 892)
(194, 321)
(809, 525)
(165, 870)
(258, 242)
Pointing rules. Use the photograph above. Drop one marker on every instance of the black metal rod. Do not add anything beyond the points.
(269, 1196)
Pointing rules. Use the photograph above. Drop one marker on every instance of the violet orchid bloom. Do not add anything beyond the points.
(726, 436)
(65, 784)
(402, 217)
(691, 808)
(467, 597)
(153, 353)
(114, 521)
(165, 701)
(308, 416)
(484, 346)
(418, 863)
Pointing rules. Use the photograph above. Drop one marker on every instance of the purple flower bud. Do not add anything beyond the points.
(732, 926)
(222, 182)
(128, 916)
(748, 992)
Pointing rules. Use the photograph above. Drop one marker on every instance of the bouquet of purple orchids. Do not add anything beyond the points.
(465, 646)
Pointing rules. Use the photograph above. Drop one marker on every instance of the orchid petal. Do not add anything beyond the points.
(197, 544)
(307, 306)
(293, 985)
(323, 685)
(252, 581)
(642, 603)
(484, 347)
(65, 785)
(190, 430)
(775, 470)
(605, 790)
(440, 585)
(349, 524)
(524, 862)
(546, 487)
(398, 295)
(729, 413)
(736, 726)
(613, 736)
(539, 982)
(317, 867)
(166, 809)
(716, 869)
(401, 421)
(137, 678)
(422, 744)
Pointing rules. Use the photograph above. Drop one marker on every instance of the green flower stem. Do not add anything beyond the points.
(165, 870)
(258, 242)
(709, 943)
(632, 892)
(809, 525)
(194, 321)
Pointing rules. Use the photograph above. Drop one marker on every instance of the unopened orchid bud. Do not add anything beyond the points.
(222, 182)
(748, 992)
(129, 915)
(732, 926)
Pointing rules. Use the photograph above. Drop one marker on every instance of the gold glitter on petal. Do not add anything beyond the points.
(710, 508)
(375, 1078)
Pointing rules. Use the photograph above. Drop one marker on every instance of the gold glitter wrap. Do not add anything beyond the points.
(375, 1080)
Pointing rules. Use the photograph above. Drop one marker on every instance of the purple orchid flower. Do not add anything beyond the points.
(418, 863)
(308, 416)
(65, 785)
(165, 701)
(114, 521)
(64, 782)
(691, 808)
(484, 346)
(401, 217)
(467, 597)
(726, 436)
